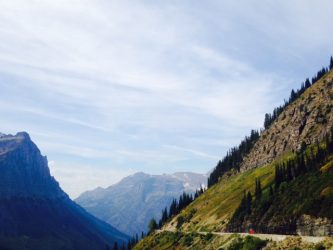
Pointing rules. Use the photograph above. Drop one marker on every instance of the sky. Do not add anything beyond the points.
(107, 88)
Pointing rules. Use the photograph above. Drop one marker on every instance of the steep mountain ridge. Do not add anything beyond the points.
(303, 122)
(35, 213)
(24, 171)
(139, 197)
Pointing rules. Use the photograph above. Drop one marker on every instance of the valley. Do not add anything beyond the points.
(166, 125)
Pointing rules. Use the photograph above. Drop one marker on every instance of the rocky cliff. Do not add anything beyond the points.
(34, 212)
(24, 171)
(310, 225)
(303, 122)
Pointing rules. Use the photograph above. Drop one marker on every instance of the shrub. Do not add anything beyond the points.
(253, 243)
(249, 243)
(208, 236)
(319, 246)
(188, 239)
(180, 221)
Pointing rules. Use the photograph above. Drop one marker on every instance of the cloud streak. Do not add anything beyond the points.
(153, 86)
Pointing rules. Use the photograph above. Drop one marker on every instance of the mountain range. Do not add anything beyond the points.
(278, 181)
(131, 203)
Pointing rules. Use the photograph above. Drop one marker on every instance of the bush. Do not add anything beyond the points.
(208, 236)
(253, 243)
(249, 243)
(188, 239)
(237, 244)
(319, 246)
(180, 221)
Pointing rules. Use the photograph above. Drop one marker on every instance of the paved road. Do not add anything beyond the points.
(273, 237)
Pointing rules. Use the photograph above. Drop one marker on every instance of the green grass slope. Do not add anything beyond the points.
(309, 194)
(195, 241)
(213, 210)
(302, 124)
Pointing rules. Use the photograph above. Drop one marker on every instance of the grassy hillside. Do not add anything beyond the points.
(309, 194)
(307, 199)
(304, 122)
(195, 241)
(213, 210)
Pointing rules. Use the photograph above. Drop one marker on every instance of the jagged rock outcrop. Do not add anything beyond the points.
(35, 213)
(303, 122)
(24, 171)
(310, 225)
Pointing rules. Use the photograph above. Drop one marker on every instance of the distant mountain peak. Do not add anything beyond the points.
(139, 197)
(140, 174)
(23, 134)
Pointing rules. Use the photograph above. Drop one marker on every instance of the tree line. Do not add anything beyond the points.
(130, 244)
(270, 118)
(116, 247)
(235, 155)
(167, 214)
(174, 209)
(234, 158)
(304, 161)
(309, 158)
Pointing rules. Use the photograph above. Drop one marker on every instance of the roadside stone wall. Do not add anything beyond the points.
(311, 226)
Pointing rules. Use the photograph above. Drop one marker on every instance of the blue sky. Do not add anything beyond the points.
(110, 88)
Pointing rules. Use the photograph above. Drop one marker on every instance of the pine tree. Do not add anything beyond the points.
(152, 226)
(133, 241)
(267, 121)
(271, 191)
(258, 190)
(248, 203)
(293, 96)
(307, 83)
(289, 173)
(277, 176)
(330, 145)
(115, 246)
(331, 63)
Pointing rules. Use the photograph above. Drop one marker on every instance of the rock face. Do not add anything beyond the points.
(24, 171)
(305, 121)
(34, 212)
(309, 225)
(139, 197)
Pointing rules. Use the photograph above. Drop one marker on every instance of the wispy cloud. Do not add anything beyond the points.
(193, 152)
(151, 86)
